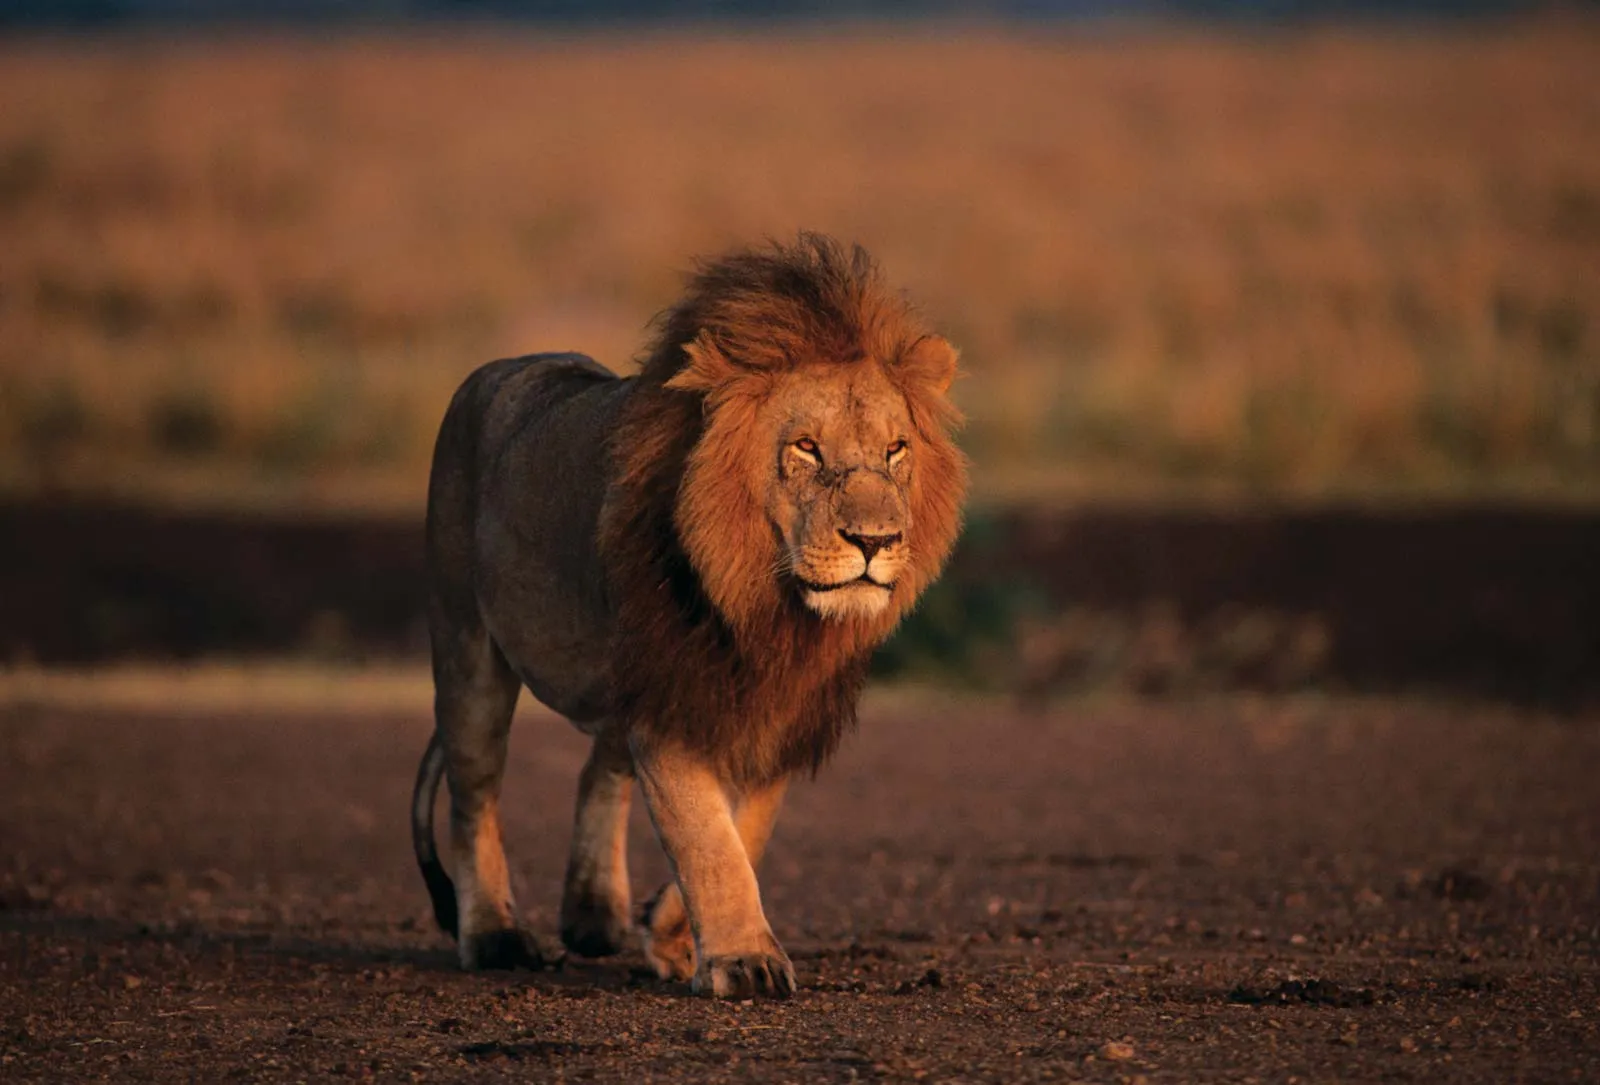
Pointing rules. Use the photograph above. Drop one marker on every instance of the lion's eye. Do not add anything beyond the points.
(807, 447)
(895, 451)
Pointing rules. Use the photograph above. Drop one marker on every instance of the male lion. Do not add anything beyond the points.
(693, 565)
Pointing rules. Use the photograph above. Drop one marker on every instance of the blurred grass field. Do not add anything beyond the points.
(1293, 264)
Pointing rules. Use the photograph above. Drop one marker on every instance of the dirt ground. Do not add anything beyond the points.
(1227, 889)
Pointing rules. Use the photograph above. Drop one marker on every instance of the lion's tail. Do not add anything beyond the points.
(440, 889)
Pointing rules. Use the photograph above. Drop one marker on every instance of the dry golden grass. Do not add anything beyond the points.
(1301, 264)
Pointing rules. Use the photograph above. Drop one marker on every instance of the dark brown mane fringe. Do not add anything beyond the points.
(776, 307)
(761, 686)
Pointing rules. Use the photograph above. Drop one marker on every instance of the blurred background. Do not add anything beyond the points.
(1281, 320)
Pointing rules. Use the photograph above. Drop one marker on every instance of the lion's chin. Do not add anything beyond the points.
(859, 599)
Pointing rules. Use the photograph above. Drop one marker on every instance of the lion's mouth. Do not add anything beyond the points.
(862, 581)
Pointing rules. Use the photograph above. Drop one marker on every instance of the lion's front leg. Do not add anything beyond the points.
(668, 942)
(735, 953)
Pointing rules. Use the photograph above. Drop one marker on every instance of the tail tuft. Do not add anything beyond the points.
(441, 890)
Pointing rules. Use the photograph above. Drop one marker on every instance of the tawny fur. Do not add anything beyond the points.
(659, 559)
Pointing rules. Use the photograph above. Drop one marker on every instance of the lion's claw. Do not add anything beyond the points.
(746, 976)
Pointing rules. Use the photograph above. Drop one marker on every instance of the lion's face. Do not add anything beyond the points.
(831, 482)
(843, 452)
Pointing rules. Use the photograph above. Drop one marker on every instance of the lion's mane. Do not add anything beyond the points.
(710, 651)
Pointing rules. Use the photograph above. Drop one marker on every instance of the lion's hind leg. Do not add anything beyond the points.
(596, 897)
(664, 930)
(475, 694)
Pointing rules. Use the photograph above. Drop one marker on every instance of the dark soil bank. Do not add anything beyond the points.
(1292, 889)
(1481, 601)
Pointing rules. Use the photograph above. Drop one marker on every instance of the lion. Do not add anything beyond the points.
(693, 565)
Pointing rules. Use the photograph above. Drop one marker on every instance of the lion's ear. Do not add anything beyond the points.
(708, 367)
(931, 361)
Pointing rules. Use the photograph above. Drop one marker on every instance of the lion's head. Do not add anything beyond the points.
(824, 470)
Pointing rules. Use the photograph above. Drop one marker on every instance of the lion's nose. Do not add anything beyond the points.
(870, 544)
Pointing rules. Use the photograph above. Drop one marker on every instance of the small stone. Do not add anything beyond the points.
(1408, 1045)
(132, 983)
(1297, 939)
(1117, 1051)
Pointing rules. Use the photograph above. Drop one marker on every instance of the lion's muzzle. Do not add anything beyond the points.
(853, 547)
(854, 576)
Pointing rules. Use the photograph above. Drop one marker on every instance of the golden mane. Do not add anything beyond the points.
(719, 657)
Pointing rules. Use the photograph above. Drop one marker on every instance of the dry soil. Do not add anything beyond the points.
(1230, 889)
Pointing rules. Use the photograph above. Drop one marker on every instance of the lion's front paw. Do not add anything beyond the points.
(747, 975)
(664, 930)
(506, 948)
